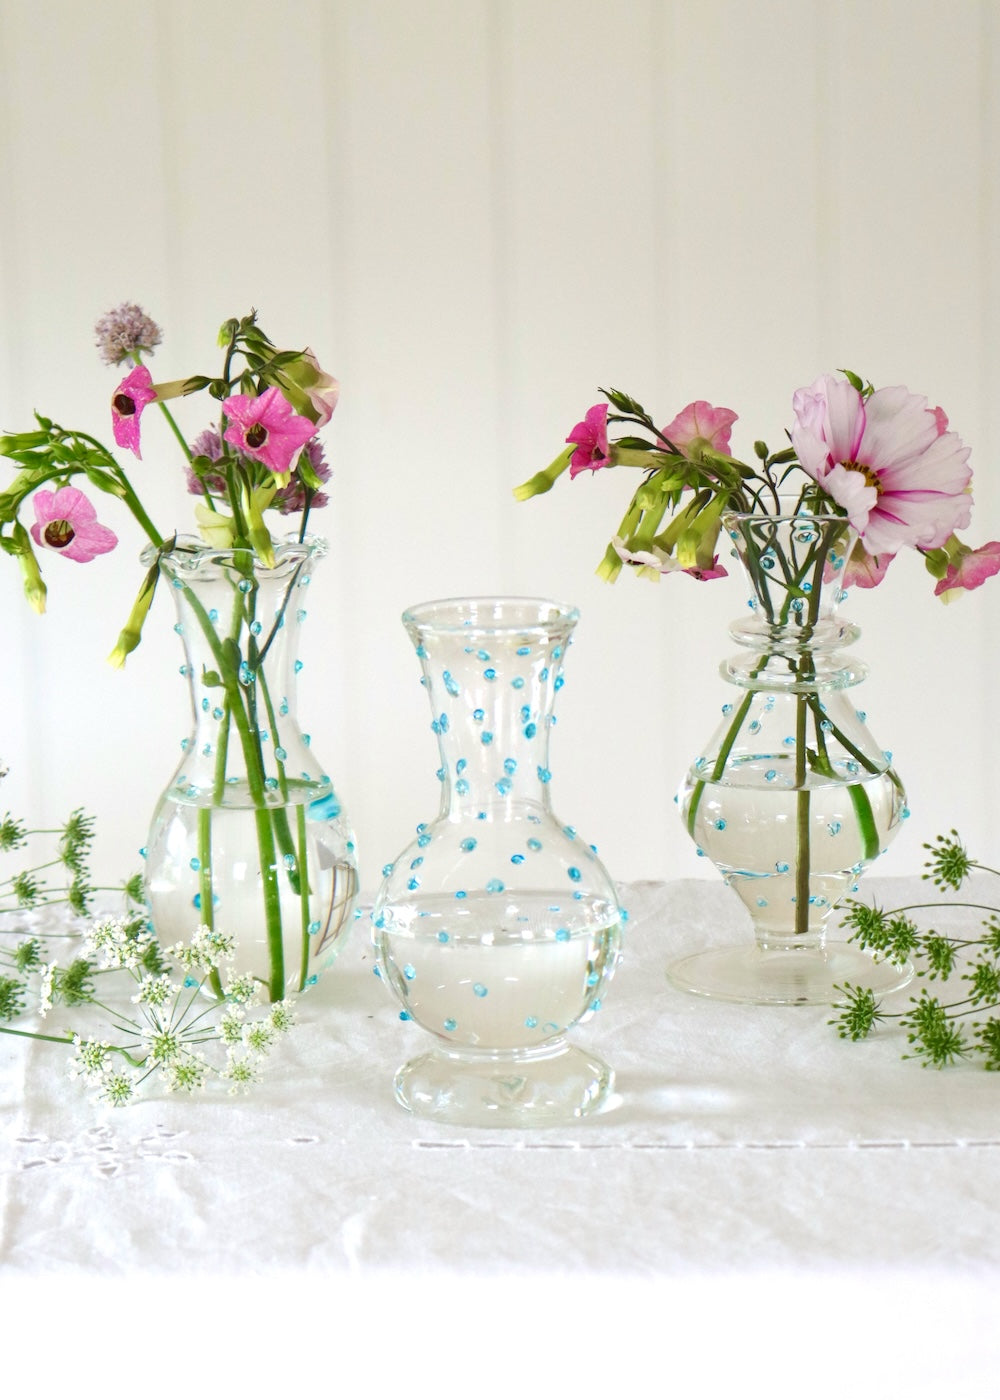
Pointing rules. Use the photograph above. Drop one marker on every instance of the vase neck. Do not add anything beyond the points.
(492, 669)
(240, 626)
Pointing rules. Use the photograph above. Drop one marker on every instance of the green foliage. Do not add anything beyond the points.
(938, 1031)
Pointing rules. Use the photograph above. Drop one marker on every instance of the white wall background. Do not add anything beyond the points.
(477, 211)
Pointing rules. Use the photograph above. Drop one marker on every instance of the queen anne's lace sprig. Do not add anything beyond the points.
(939, 1030)
(172, 1033)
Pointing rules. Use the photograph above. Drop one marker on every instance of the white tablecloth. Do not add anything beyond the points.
(751, 1161)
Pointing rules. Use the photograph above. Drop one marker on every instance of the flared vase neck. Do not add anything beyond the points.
(492, 668)
(794, 567)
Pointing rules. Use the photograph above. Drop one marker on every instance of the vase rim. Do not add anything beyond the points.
(491, 614)
(194, 547)
(785, 518)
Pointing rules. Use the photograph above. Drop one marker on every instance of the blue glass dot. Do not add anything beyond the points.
(489, 674)
(297, 667)
(503, 786)
(195, 863)
(416, 863)
(524, 651)
(479, 989)
(559, 682)
(562, 935)
(510, 766)
(544, 776)
(720, 824)
(450, 684)
(494, 886)
(451, 1024)
(482, 655)
(531, 1022)
(314, 927)
(460, 894)
(413, 883)
(781, 867)
(479, 715)
(517, 859)
(461, 766)
(423, 839)
(486, 737)
(244, 585)
(443, 936)
(518, 683)
(469, 844)
(280, 754)
(462, 787)
(534, 844)
(573, 873)
(834, 828)
(409, 972)
(530, 730)
(405, 1016)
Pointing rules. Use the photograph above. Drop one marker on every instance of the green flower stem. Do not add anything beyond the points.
(304, 892)
(241, 709)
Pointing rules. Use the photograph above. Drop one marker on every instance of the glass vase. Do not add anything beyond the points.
(497, 928)
(249, 835)
(792, 797)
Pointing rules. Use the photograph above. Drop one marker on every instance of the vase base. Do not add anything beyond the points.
(785, 977)
(504, 1090)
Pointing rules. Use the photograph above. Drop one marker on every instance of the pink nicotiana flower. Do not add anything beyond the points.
(127, 402)
(889, 461)
(663, 562)
(972, 568)
(701, 425)
(591, 441)
(321, 389)
(66, 522)
(267, 428)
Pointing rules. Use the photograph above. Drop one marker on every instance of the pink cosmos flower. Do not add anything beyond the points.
(127, 402)
(267, 428)
(703, 425)
(889, 461)
(591, 441)
(67, 522)
(973, 567)
(663, 562)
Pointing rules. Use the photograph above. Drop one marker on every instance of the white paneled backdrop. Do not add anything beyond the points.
(477, 211)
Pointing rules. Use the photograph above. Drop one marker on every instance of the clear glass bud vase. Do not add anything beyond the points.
(792, 797)
(249, 836)
(497, 928)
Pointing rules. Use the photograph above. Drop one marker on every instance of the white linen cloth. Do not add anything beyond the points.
(744, 1143)
(730, 1124)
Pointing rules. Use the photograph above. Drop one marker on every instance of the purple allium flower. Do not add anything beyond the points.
(125, 330)
(290, 499)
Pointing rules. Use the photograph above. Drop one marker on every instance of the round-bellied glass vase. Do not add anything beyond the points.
(792, 797)
(249, 836)
(497, 928)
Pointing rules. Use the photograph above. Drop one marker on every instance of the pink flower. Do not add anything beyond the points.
(267, 428)
(865, 570)
(889, 461)
(591, 440)
(320, 388)
(663, 562)
(67, 522)
(973, 567)
(701, 425)
(127, 402)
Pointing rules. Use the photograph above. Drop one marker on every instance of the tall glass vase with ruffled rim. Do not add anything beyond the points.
(249, 835)
(791, 798)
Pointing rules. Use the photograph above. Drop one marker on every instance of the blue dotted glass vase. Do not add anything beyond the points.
(249, 836)
(497, 928)
(792, 797)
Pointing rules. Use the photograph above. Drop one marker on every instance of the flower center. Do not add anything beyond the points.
(58, 534)
(871, 479)
(256, 436)
(124, 404)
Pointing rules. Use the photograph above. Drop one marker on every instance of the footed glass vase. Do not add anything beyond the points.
(792, 797)
(249, 836)
(498, 929)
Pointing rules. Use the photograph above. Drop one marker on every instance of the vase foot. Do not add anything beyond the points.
(504, 1090)
(785, 977)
